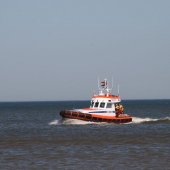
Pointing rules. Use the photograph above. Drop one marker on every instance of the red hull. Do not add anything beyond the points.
(95, 118)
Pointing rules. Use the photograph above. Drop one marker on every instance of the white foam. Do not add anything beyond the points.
(69, 122)
(75, 122)
(55, 122)
(166, 118)
(141, 120)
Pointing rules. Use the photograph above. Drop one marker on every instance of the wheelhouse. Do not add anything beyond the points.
(102, 104)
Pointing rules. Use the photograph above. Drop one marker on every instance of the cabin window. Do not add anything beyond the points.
(109, 105)
(102, 104)
(92, 103)
(96, 104)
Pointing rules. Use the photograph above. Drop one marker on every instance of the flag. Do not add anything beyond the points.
(103, 83)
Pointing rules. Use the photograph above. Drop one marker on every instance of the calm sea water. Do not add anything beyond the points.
(32, 136)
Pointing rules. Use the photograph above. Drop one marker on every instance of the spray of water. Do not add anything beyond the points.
(55, 122)
(70, 122)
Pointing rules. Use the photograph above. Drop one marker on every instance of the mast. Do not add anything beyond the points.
(104, 88)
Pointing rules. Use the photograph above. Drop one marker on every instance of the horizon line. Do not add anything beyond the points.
(74, 100)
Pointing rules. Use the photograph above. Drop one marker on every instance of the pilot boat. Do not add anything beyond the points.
(104, 107)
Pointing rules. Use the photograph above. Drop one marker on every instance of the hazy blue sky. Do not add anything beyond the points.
(55, 50)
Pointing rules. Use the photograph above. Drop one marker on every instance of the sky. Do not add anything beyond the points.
(56, 50)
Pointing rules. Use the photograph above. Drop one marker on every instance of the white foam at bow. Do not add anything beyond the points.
(75, 122)
(55, 122)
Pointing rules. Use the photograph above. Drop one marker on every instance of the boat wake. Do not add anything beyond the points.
(135, 120)
(150, 120)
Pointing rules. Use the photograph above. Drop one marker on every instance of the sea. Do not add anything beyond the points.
(33, 136)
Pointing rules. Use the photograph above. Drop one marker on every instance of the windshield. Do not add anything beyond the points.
(92, 103)
(109, 105)
(96, 104)
(102, 104)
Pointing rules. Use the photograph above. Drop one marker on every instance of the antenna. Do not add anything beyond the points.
(98, 79)
(112, 83)
(118, 89)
